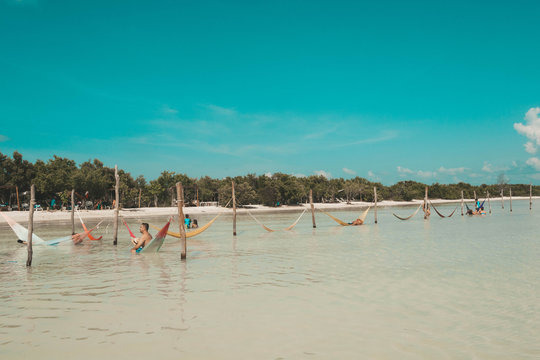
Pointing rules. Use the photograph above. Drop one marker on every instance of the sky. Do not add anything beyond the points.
(386, 90)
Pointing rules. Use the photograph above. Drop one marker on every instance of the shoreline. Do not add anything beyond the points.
(136, 213)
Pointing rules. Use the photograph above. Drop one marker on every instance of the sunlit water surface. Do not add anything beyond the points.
(458, 288)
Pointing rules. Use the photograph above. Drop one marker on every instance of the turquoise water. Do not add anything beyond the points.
(458, 288)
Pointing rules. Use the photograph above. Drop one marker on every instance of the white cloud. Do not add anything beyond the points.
(221, 110)
(403, 170)
(299, 175)
(323, 173)
(534, 162)
(3, 138)
(530, 148)
(490, 168)
(452, 171)
(487, 167)
(531, 128)
(268, 174)
(349, 171)
(167, 110)
(371, 174)
(426, 174)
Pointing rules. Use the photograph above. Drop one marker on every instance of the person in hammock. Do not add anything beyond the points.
(357, 222)
(142, 241)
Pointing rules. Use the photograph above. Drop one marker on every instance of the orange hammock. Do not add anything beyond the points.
(343, 223)
(85, 229)
(270, 230)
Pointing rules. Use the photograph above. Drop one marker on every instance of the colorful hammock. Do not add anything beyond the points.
(192, 232)
(157, 242)
(285, 229)
(22, 233)
(410, 216)
(85, 229)
(343, 223)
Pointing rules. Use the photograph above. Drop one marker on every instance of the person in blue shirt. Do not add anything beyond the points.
(187, 222)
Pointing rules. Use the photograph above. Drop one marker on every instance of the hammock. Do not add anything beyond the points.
(192, 232)
(270, 230)
(410, 216)
(85, 229)
(438, 213)
(156, 242)
(343, 223)
(22, 233)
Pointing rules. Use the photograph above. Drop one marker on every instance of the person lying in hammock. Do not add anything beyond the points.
(142, 241)
(76, 238)
(357, 222)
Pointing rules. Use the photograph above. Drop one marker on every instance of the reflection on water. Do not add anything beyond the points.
(464, 287)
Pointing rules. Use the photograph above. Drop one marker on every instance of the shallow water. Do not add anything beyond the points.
(458, 288)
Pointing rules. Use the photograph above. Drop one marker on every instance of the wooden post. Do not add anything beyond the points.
(181, 219)
(461, 202)
(31, 224)
(18, 203)
(502, 198)
(426, 204)
(475, 198)
(489, 202)
(312, 208)
(530, 196)
(510, 189)
(140, 193)
(375, 198)
(117, 205)
(198, 203)
(234, 210)
(73, 212)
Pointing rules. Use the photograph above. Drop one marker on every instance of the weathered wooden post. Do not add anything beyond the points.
(475, 198)
(140, 193)
(181, 219)
(461, 202)
(426, 214)
(72, 211)
(117, 205)
(18, 203)
(312, 208)
(234, 210)
(31, 224)
(502, 198)
(375, 196)
(530, 196)
(198, 203)
(489, 202)
(510, 189)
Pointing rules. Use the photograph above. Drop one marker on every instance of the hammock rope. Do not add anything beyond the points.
(410, 216)
(438, 212)
(85, 229)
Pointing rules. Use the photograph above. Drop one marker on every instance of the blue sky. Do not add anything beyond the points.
(387, 90)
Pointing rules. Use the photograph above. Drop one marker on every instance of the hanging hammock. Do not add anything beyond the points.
(362, 217)
(438, 213)
(22, 233)
(192, 232)
(410, 216)
(270, 230)
(85, 229)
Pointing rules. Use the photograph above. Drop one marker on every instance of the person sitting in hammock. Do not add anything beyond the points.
(357, 222)
(194, 224)
(141, 242)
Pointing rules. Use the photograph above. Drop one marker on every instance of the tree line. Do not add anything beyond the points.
(94, 186)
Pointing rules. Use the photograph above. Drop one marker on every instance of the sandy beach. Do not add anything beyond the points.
(140, 213)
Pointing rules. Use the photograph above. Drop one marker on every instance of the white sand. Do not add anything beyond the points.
(58, 215)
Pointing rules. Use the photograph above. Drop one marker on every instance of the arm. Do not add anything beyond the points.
(139, 243)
